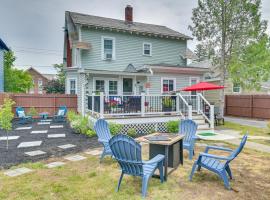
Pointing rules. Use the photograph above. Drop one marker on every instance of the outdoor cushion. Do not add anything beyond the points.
(61, 112)
(21, 114)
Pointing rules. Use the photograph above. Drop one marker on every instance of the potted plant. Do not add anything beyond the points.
(32, 112)
(167, 104)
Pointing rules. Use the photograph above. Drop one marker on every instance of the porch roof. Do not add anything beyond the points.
(93, 71)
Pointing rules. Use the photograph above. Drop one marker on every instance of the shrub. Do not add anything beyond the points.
(115, 128)
(172, 126)
(132, 132)
(71, 115)
(90, 133)
(32, 112)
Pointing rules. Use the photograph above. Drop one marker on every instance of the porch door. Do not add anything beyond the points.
(194, 80)
(127, 86)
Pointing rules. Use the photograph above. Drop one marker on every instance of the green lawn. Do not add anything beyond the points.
(89, 179)
(244, 129)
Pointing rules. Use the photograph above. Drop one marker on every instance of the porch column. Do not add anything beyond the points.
(81, 93)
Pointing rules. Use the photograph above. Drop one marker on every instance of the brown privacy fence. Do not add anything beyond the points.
(252, 106)
(42, 102)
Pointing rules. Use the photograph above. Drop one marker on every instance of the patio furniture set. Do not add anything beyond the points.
(165, 150)
(58, 117)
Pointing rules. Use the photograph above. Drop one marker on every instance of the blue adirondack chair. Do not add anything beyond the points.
(218, 164)
(103, 132)
(188, 128)
(23, 118)
(128, 154)
(61, 114)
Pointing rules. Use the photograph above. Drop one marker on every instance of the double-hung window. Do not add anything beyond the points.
(147, 49)
(108, 48)
(168, 85)
(236, 88)
(72, 86)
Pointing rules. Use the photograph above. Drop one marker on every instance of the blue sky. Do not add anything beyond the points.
(34, 28)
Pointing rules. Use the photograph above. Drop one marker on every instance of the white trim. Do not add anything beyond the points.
(167, 78)
(68, 84)
(102, 47)
(106, 84)
(150, 44)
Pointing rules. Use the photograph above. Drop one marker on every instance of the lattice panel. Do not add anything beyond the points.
(145, 128)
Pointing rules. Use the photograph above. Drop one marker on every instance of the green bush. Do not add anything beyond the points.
(90, 133)
(32, 112)
(132, 132)
(172, 126)
(115, 128)
(71, 115)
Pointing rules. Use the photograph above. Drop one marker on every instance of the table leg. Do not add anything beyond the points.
(181, 152)
(166, 162)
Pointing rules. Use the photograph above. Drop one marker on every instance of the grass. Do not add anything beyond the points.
(90, 179)
(247, 129)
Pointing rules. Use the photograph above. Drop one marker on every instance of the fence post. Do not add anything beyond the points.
(142, 104)
(198, 103)
(92, 102)
(177, 102)
(212, 116)
(189, 112)
(101, 104)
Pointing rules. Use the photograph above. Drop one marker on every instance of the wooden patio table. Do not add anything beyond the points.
(171, 148)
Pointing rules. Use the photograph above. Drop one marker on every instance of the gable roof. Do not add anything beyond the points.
(3, 45)
(143, 28)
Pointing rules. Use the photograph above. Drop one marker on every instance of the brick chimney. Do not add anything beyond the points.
(129, 14)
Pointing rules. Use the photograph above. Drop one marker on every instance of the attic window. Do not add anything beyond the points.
(147, 49)
(108, 48)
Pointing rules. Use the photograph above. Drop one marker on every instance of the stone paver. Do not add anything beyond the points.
(43, 123)
(35, 153)
(55, 164)
(29, 144)
(9, 138)
(66, 146)
(17, 172)
(57, 126)
(40, 131)
(93, 152)
(56, 135)
(75, 158)
(24, 128)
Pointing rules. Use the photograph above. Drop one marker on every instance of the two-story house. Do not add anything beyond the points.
(123, 57)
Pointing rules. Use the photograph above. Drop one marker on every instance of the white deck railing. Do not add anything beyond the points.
(142, 105)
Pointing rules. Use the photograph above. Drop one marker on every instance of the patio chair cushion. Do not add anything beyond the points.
(61, 112)
(21, 114)
(212, 163)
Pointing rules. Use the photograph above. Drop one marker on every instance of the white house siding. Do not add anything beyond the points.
(129, 49)
(1, 71)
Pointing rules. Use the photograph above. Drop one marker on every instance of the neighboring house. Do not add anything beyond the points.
(41, 76)
(3, 48)
(123, 57)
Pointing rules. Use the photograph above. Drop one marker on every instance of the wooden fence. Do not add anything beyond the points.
(42, 102)
(252, 106)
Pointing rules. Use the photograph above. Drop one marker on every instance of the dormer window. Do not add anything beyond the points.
(108, 48)
(147, 49)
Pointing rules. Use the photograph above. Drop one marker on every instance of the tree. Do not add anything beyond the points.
(57, 85)
(252, 66)
(15, 80)
(6, 116)
(204, 52)
(230, 25)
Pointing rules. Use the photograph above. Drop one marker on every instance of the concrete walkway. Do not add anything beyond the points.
(252, 145)
(247, 122)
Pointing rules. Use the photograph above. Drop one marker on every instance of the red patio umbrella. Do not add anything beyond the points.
(203, 86)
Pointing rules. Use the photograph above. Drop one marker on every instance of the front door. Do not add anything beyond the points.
(127, 86)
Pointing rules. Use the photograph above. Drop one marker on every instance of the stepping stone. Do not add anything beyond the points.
(41, 131)
(9, 138)
(75, 158)
(93, 152)
(46, 120)
(17, 172)
(55, 164)
(29, 144)
(43, 123)
(56, 135)
(57, 126)
(23, 128)
(35, 153)
(67, 146)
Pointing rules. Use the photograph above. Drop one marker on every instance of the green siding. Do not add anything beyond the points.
(129, 50)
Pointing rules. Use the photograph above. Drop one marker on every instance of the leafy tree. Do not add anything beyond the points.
(15, 80)
(230, 25)
(58, 85)
(6, 116)
(252, 66)
(204, 52)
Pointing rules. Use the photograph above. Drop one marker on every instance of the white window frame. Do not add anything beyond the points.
(240, 89)
(68, 88)
(193, 78)
(133, 84)
(150, 44)
(102, 47)
(161, 84)
(106, 82)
